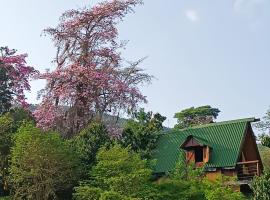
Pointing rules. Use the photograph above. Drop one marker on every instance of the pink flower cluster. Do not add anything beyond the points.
(19, 74)
(90, 78)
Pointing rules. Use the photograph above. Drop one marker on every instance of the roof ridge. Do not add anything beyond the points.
(251, 119)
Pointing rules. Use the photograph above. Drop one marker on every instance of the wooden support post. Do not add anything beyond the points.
(258, 170)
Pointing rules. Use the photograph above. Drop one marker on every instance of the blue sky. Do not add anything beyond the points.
(201, 52)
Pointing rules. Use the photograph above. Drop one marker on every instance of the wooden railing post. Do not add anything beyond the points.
(258, 170)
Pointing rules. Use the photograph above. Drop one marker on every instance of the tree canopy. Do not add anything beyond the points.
(264, 128)
(141, 132)
(196, 116)
(89, 141)
(90, 77)
(43, 165)
(14, 78)
(118, 172)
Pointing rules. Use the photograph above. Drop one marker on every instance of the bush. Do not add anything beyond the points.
(220, 188)
(261, 187)
(42, 165)
(118, 170)
(177, 190)
(111, 195)
(5, 198)
(87, 193)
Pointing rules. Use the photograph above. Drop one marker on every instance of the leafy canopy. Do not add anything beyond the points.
(42, 165)
(118, 173)
(196, 116)
(9, 124)
(141, 133)
(89, 141)
(6, 135)
(90, 78)
(264, 128)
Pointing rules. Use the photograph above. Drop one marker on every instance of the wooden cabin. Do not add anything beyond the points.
(224, 148)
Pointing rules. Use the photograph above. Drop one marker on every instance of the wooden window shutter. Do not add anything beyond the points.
(190, 156)
(206, 154)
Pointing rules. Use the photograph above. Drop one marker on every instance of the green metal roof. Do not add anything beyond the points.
(225, 139)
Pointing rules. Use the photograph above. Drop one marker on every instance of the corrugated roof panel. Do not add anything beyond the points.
(225, 138)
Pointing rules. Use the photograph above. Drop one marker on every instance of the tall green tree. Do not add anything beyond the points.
(6, 135)
(119, 172)
(196, 116)
(43, 165)
(264, 127)
(141, 132)
(9, 123)
(89, 141)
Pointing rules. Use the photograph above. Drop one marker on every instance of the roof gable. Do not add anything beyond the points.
(192, 141)
(225, 139)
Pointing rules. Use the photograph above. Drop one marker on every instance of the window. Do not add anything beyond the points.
(198, 154)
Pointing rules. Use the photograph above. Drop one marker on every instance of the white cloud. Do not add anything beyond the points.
(192, 15)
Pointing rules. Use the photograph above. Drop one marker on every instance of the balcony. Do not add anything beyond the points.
(247, 170)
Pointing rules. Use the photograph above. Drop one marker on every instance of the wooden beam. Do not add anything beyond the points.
(248, 162)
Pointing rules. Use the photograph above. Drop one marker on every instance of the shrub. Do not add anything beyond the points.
(87, 193)
(261, 187)
(119, 170)
(111, 195)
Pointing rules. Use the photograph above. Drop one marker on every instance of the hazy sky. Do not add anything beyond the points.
(201, 52)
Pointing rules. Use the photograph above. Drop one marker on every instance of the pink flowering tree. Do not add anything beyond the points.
(14, 79)
(91, 77)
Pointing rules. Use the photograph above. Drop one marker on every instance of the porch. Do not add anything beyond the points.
(247, 170)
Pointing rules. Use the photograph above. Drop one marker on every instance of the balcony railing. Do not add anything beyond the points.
(247, 170)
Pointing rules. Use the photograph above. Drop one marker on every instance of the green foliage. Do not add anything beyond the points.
(119, 170)
(265, 156)
(177, 190)
(264, 127)
(5, 92)
(42, 164)
(141, 133)
(261, 187)
(196, 116)
(88, 142)
(5, 198)
(6, 134)
(122, 174)
(195, 186)
(5, 137)
(9, 123)
(87, 193)
(183, 171)
(265, 139)
(111, 195)
(20, 116)
(213, 190)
